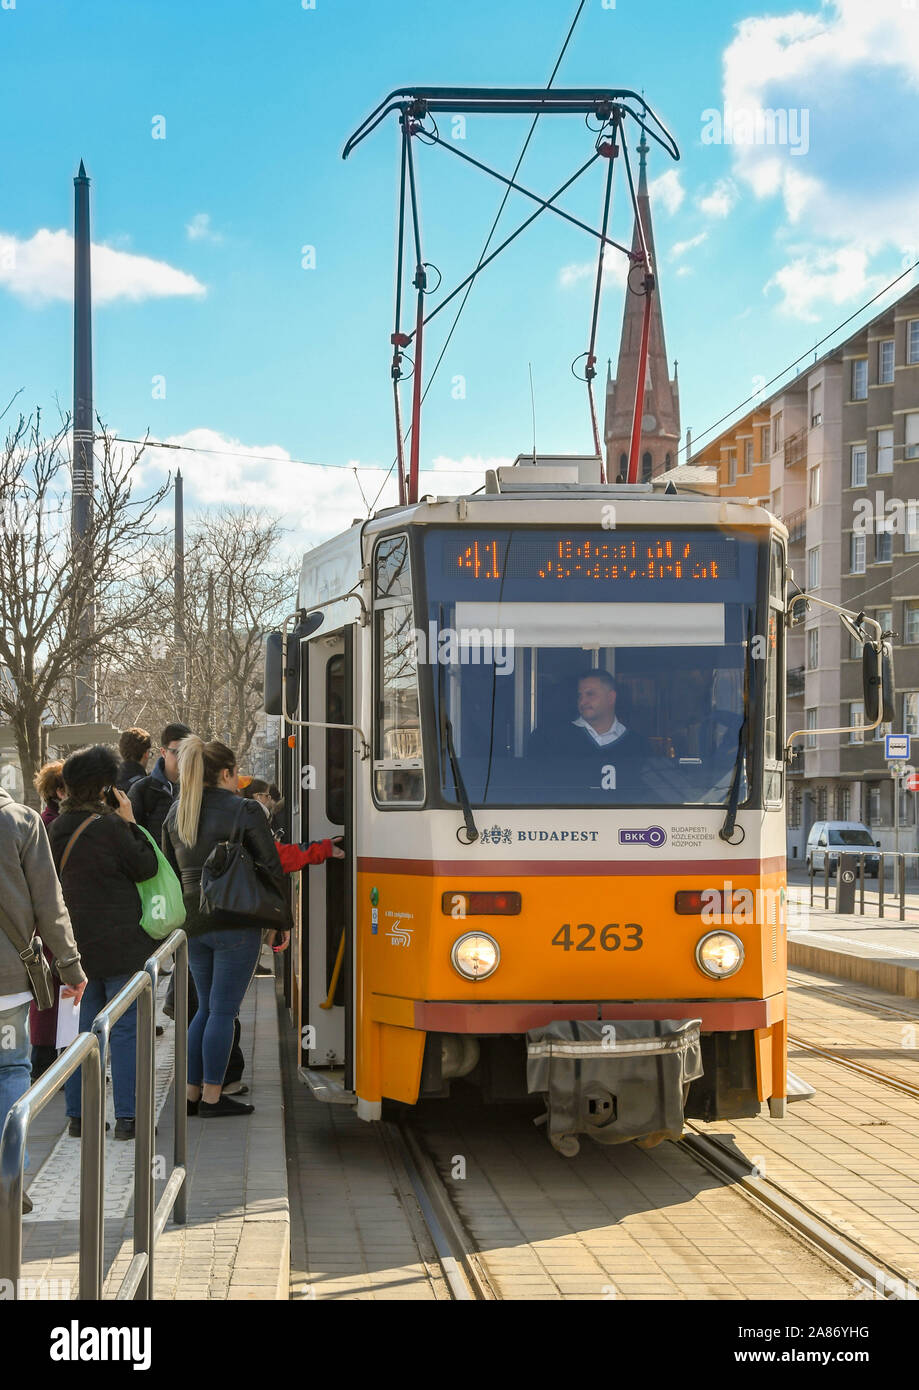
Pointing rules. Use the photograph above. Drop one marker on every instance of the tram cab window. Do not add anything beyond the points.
(594, 687)
(398, 774)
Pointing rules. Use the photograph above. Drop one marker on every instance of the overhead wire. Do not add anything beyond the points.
(488, 239)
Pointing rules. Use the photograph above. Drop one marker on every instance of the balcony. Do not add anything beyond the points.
(794, 681)
(797, 524)
(795, 448)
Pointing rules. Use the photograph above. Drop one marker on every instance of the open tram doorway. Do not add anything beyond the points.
(326, 892)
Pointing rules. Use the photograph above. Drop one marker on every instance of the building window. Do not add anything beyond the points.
(884, 616)
(883, 548)
(911, 711)
(874, 805)
(732, 465)
(813, 649)
(885, 361)
(820, 802)
(816, 405)
(885, 451)
(912, 436)
(748, 456)
(777, 431)
(911, 614)
(857, 717)
(794, 810)
(668, 462)
(623, 466)
(856, 554)
(810, 722)
(765, 446)
(813, 487)
(911, 539)
(881, 732)
(859, 465)
(646, 466)
(860, 379)
(843, 803)
(912, 341)
(855, 648)
(813, 568)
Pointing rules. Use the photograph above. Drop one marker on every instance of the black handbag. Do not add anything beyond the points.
(233, 882)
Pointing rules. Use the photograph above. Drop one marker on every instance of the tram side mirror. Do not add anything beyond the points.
(273, 679)
(878, 683)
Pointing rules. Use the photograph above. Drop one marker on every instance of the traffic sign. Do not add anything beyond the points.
(912, 782)
(896, 747)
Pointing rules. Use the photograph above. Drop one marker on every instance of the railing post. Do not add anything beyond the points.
(180, 1139)
(881, 870)
(12, 1155)
(826, 879)
(143, 1139)
(92, 1147)
(810, 879)
(901, 870)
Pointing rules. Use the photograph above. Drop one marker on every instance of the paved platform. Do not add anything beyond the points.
(882, 953)
(236, 1243)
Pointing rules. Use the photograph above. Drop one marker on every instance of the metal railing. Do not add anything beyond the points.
(795, 448)
(896, 858)
(89, 1052)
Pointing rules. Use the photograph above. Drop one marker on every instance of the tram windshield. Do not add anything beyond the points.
(594, 667)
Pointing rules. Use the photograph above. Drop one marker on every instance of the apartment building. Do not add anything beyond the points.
(835, 454)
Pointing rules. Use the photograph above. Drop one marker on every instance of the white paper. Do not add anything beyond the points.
(68, 1020)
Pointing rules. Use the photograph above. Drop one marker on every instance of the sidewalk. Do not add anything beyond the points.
(882, 953)
(236, 1243)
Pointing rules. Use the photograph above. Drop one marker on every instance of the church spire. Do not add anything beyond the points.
(660, 425)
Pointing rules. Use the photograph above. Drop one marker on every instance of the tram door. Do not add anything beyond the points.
(326, 891)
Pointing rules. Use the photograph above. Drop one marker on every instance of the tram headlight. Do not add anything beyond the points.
(475, 955)
(719, 954)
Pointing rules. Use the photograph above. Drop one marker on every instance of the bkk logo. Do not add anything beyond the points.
(654, 835)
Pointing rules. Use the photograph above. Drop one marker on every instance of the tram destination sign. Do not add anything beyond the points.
(557, 558)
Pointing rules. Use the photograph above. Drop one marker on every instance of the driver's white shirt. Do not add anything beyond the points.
(615, 731)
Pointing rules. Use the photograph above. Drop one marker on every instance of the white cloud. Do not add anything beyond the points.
(721, 200)
(682, 270)
(200, 229)
(40, 270)
(679, 248)
(818, 279)
(316, 503)
(615, 270)
(667, 191)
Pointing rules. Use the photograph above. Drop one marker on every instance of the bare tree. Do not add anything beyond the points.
(47, 582)
(239, 584)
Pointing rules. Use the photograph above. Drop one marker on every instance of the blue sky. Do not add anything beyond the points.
(197, 271)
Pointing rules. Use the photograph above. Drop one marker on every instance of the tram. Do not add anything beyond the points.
(610, 919)
(548, 720)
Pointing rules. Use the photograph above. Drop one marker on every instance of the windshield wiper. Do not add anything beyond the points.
(446, 731)
(730, 820)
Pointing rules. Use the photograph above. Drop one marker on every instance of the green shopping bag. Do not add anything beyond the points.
(161, 897)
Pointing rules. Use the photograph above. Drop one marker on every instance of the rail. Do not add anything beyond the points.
(88, 1052)
(900, 874)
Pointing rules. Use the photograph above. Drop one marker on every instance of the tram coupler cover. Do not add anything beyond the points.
(614, 1081)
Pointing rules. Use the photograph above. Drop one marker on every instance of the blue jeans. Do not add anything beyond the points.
(222, 963)
(15, 1059)
(122, 1046)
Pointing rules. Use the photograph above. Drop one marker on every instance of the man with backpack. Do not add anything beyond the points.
(152, 796)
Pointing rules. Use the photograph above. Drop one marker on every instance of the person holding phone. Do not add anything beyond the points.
(101, 855)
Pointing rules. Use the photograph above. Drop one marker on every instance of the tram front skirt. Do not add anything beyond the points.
(614, 1081)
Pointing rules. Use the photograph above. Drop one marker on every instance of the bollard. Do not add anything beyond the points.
(861, 884)
(882, 869)
(901, 869)
(826, 879)
(810, 878)
(845, 884)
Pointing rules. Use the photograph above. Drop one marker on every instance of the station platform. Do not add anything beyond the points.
(236, 1243)
(882, 953)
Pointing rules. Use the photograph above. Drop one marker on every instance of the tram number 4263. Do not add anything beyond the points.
(610, 937)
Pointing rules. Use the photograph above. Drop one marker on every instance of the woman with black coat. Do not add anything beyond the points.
(223, 950)
(101, 856)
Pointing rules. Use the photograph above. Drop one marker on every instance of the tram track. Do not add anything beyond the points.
(464, 1265)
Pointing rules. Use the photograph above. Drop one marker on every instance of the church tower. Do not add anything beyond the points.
(660, 424)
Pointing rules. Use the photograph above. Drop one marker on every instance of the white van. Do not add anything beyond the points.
(830, 838)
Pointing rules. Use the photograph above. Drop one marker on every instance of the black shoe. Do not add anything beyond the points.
(169, 1011)
(74, 1128)
(26, 1203)
(125, 1129)
(224, 1106)
(263, 970)
(160, 1030)
(191, 1107)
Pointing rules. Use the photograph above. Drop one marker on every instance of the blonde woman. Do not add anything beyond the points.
(222, 952)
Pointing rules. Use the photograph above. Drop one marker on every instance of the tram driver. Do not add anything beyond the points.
(597, 734)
